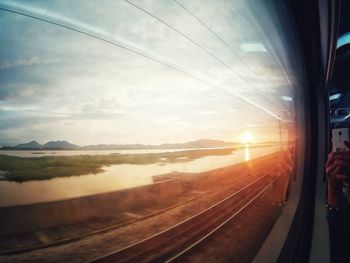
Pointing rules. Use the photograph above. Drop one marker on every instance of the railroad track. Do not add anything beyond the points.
(228, 184)
(170, 244)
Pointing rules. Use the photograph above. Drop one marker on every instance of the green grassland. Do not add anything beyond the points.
(21, 169)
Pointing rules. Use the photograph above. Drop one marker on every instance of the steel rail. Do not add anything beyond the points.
(106, 258)
(192, 246)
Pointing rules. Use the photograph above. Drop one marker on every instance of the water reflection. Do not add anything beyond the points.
(115, 177)
(41, 153)
(246, 153)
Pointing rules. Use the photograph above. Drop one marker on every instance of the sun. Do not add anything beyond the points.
(247, 137)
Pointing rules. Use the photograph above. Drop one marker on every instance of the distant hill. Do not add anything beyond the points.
(64, 145)
(60, 145)
(52, 145)
(202, 143)
(29, 145)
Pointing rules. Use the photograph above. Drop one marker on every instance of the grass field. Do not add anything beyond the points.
(21, 169)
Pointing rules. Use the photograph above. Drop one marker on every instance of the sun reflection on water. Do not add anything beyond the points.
(246, 153)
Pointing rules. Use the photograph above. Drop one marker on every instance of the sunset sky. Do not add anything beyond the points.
(213, 74)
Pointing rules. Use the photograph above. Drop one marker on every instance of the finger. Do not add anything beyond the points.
(331, 168)
(337, 170)
(334, 172)
(331, 155)
(330, 160)
(342, 163)
(343, 156)
(341, 177)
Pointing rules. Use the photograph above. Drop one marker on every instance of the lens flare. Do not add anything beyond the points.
(247, 137)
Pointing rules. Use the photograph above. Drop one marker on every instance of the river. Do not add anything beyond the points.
(39, 153)
(114, 177)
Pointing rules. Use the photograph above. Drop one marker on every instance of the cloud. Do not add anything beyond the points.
(20, 93)
(28, 62)
(59, 83)
(19, 108)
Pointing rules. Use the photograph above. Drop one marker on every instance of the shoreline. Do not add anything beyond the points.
(22, 169)
(116, 177)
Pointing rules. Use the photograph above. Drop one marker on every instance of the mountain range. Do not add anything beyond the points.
(64, 145)
(34, 145)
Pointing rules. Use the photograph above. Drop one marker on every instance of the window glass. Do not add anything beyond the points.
(343, 40)
(129, 122)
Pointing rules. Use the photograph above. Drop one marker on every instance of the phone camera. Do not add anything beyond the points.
(339, 133)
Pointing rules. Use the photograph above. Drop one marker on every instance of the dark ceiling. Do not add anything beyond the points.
(341, 71)
(344, 26)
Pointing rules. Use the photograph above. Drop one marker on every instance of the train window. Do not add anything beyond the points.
(343, 40)
(146, 130)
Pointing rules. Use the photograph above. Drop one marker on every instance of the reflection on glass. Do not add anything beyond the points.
(126, 111)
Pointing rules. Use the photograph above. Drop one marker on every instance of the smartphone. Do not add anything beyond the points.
(338, 137)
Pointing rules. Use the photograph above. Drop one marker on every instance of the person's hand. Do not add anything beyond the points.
(337, 170)
(334, 184)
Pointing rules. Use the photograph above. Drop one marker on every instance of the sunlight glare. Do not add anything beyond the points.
(247, 137)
